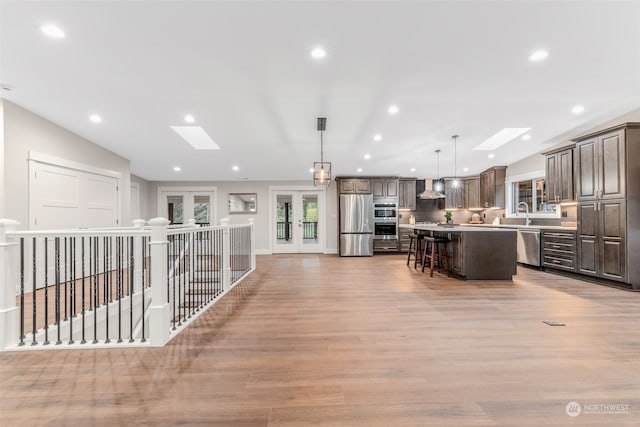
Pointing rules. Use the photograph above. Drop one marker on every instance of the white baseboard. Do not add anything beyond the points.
(331, 251)
(263, 252)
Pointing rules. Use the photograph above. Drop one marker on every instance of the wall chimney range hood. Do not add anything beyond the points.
(430, 192)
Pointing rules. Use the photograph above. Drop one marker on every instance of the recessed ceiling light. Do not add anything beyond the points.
(318, 53)
(393, 110)
(235, 168)
(177, 168)
(465, 170)
(52, 31)
(377, 137)
(526, 137)
(359, 170)
(412, 170)
(189, 118)
(95, 118)
(196, 137)
(367, 156)
(310, 170)
(538, 55)
(491, 156)
(501, 138)
(577, 109)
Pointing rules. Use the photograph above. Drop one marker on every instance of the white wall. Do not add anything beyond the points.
(2, 187)
(25, 131)
(262, 216)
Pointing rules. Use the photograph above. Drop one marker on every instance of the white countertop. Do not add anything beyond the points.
(456, 228)
(471, 227)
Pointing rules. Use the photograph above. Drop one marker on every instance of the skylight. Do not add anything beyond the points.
(196, 137)
(501, 138)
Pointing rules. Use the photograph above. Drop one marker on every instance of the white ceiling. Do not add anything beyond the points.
(244, 71)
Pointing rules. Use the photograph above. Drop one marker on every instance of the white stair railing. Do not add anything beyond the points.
(130, 286)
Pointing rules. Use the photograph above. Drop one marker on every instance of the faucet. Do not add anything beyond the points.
(526, 211)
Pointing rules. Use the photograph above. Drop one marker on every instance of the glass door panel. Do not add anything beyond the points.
(175, 208)
(296, 219)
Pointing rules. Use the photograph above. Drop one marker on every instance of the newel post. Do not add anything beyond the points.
(159, 314)
(226, 254)
(137, 256)
(9, 279)
(252, 249)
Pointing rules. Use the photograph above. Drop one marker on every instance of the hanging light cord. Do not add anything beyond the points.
(321, 150)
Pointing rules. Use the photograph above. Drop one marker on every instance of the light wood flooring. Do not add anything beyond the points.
(327, 341)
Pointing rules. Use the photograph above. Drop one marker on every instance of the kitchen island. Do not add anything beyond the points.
(476, 253)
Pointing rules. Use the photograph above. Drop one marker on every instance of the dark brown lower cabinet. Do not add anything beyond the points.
(601, 239)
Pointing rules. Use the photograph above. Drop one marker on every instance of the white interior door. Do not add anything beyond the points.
(180, 206)
(134, 207)
(297, 218)
(61, 197)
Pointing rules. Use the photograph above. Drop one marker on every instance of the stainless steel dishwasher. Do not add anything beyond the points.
(529, 246)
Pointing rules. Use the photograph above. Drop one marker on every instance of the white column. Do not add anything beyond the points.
(137, 256)
(9, 279)
(226, 254)
(252, 253)
(159, 313)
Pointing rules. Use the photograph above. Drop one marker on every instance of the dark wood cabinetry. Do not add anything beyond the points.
(602, 239)
(607, 178)
(407, 193)
(454, 194)
(387, 187)
(601, 167)
(472, 193)
(559, 175)
(559, 249)
(492, 187)
(354, 186)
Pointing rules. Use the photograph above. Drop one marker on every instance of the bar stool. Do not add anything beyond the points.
(435, 250)
(415, 249)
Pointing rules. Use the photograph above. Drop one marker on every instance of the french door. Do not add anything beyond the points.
(180, 206)
(297, 221)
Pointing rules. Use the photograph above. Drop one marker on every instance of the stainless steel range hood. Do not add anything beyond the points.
(429, 193)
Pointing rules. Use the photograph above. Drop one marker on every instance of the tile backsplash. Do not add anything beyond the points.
(433, 211)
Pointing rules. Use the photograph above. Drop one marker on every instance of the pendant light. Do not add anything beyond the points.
(456, 181)
(438, 184)
(322, 169)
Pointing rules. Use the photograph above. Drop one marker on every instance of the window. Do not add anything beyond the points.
(529, 189)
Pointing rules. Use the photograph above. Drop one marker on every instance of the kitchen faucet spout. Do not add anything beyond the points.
(526, 212)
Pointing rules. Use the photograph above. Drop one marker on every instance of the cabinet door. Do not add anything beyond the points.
(611, 166)
(407, 194)
(586, 170)
(551, 178)
(588, 226)
(347, 186)
(564, 177)
(455, 250)
(487, 188)
(377, 187)
(391, 188)
(472, 193)
(363, 186)
(612, 215)
(454, 196)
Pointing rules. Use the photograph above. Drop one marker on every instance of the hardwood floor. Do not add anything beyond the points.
(329, 341)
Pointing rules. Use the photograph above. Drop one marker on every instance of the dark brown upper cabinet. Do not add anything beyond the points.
(559, 175)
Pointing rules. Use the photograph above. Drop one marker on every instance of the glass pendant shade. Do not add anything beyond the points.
(321, 174)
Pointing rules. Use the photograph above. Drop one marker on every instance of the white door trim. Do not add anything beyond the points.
(164, 191)
(70, 164)
(322, 223)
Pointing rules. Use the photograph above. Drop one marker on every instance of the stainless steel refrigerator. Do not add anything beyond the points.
(356, 225)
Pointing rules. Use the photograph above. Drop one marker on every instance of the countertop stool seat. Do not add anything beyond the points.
(435, 251)
(415, 248)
